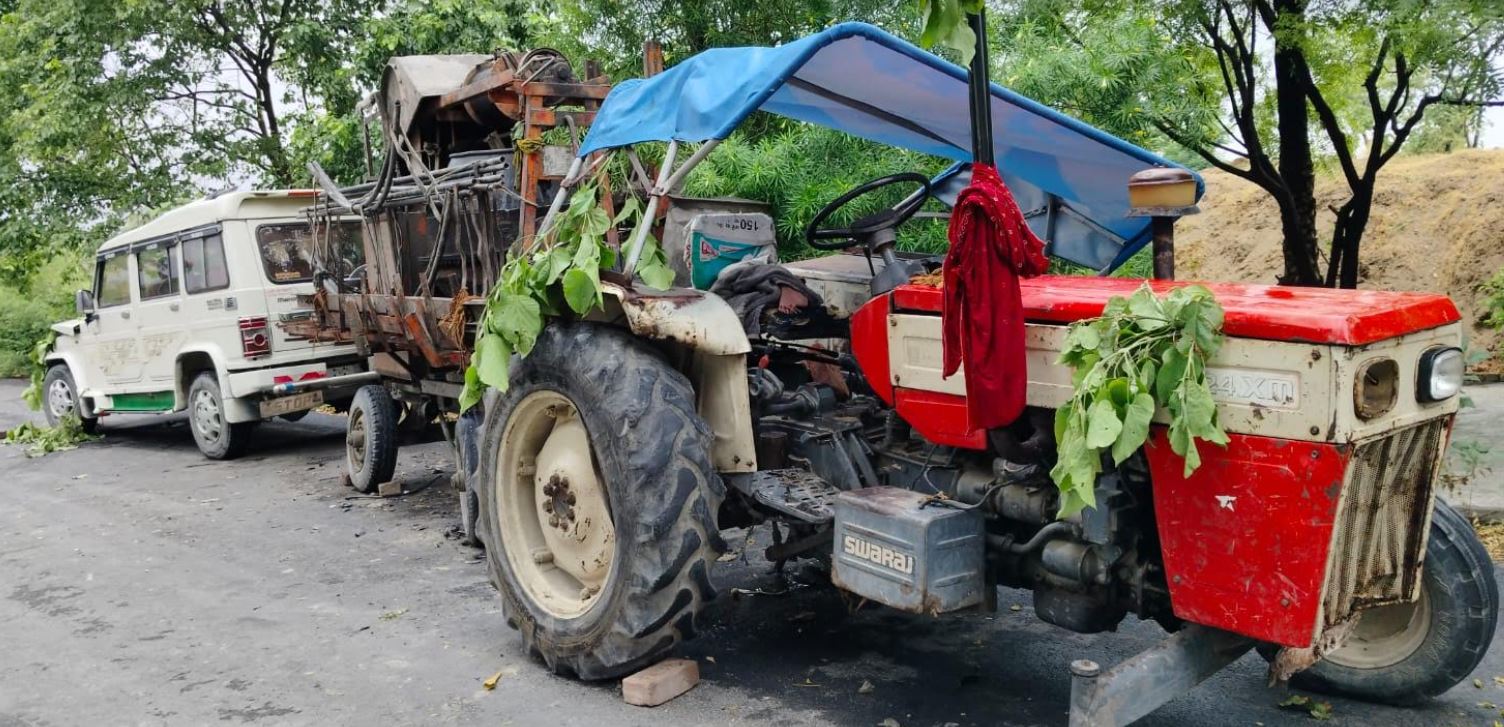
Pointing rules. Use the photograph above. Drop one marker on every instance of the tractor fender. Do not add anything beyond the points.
(700, 321)
(716, 365)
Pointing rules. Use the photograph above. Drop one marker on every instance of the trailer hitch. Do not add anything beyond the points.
(1140, 685)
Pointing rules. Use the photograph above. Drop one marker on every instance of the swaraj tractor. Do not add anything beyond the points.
(810, 396)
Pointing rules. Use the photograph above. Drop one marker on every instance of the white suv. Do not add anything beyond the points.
(184, 314)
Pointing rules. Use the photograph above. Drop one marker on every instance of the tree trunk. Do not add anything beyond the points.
(1352, 220)
(1296, 167)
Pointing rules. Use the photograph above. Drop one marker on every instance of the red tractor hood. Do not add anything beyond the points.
(1271, 312)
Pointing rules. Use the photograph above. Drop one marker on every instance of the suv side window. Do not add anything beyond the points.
(112, 278)
(289, 251)
(157, 271)
(204, 267)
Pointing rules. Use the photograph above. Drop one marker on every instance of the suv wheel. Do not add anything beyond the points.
(216, 438)
(371, 438)
(60, 399)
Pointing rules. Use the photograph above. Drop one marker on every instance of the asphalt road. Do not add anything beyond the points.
(143, 584)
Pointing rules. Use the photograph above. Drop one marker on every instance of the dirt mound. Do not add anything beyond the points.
(1437, 225)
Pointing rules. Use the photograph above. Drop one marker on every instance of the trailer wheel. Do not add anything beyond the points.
(597, 502)
(61, 400)
(216, 437)
(371, 438)
(1404, 653)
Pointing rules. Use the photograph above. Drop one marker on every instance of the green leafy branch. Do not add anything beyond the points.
(32, 394)
(1144, 353)
(563, 275)
(945, 23)
(68, 434)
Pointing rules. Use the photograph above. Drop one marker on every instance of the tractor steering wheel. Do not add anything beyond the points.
(840, 238)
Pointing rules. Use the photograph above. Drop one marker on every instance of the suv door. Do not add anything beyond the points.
(107, 341)
(159, 315)
(287, 255)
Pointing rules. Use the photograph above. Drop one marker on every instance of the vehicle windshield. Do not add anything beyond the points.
(288, 250)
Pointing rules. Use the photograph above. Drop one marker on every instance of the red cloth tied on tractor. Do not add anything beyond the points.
(991, 246)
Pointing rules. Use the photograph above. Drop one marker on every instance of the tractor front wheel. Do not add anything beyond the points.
(1403, 653)
(598, 502)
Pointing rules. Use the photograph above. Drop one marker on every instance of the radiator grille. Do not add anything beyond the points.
(1380, 533)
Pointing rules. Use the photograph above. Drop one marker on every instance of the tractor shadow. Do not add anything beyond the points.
(797, 643)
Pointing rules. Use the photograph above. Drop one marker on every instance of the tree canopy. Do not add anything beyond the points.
(114, 108)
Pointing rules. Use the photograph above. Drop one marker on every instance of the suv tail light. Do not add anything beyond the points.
(254, 339)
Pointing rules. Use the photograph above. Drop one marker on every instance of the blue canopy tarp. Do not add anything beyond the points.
(1070, 178)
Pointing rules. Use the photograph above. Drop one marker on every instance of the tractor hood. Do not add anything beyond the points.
(1070, 179)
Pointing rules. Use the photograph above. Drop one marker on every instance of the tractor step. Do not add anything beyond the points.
(800, 494)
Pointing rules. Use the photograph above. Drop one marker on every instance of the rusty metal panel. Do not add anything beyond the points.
(1383, 519)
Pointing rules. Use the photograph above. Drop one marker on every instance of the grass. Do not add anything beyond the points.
(1492, 535)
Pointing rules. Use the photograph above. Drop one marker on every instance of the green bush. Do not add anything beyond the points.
(23, 322)
(1493, 301)
(800, 169)
(26, 315)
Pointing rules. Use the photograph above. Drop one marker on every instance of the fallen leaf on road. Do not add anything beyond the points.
(866, 687)
(389, 615)
(710, 659)
(728, 557)
(1316, 710)
(889, 722)
(1015, 607)
(490, 683)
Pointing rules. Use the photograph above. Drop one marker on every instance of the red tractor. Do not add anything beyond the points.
(811, 396)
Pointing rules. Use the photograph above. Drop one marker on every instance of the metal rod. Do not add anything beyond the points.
(689, 164)
(981, 93)
(322, 383)
(553, 207)
(1163, 230)
(1138, 686)
(640, 235)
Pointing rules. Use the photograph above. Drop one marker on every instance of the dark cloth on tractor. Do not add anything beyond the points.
(991, 246)
(751, 288)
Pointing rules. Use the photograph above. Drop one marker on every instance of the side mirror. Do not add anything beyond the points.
(83, 302)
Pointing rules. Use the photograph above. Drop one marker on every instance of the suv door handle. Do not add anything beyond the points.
(173, 305)
(125, 314)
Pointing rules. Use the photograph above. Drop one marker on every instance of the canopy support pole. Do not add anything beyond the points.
(669, 180)
(553, 207)
(980, 86)
(640, 235)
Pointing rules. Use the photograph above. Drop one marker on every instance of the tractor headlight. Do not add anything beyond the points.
(1440, 374)
(1377, 389)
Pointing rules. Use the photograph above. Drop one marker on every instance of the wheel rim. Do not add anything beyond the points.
(60, 399)
(355, 439)
(206, 416)
(553, 508)
(1385, 635)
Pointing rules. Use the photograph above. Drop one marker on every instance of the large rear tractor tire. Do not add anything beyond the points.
(598, 501)
(1404, 653)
